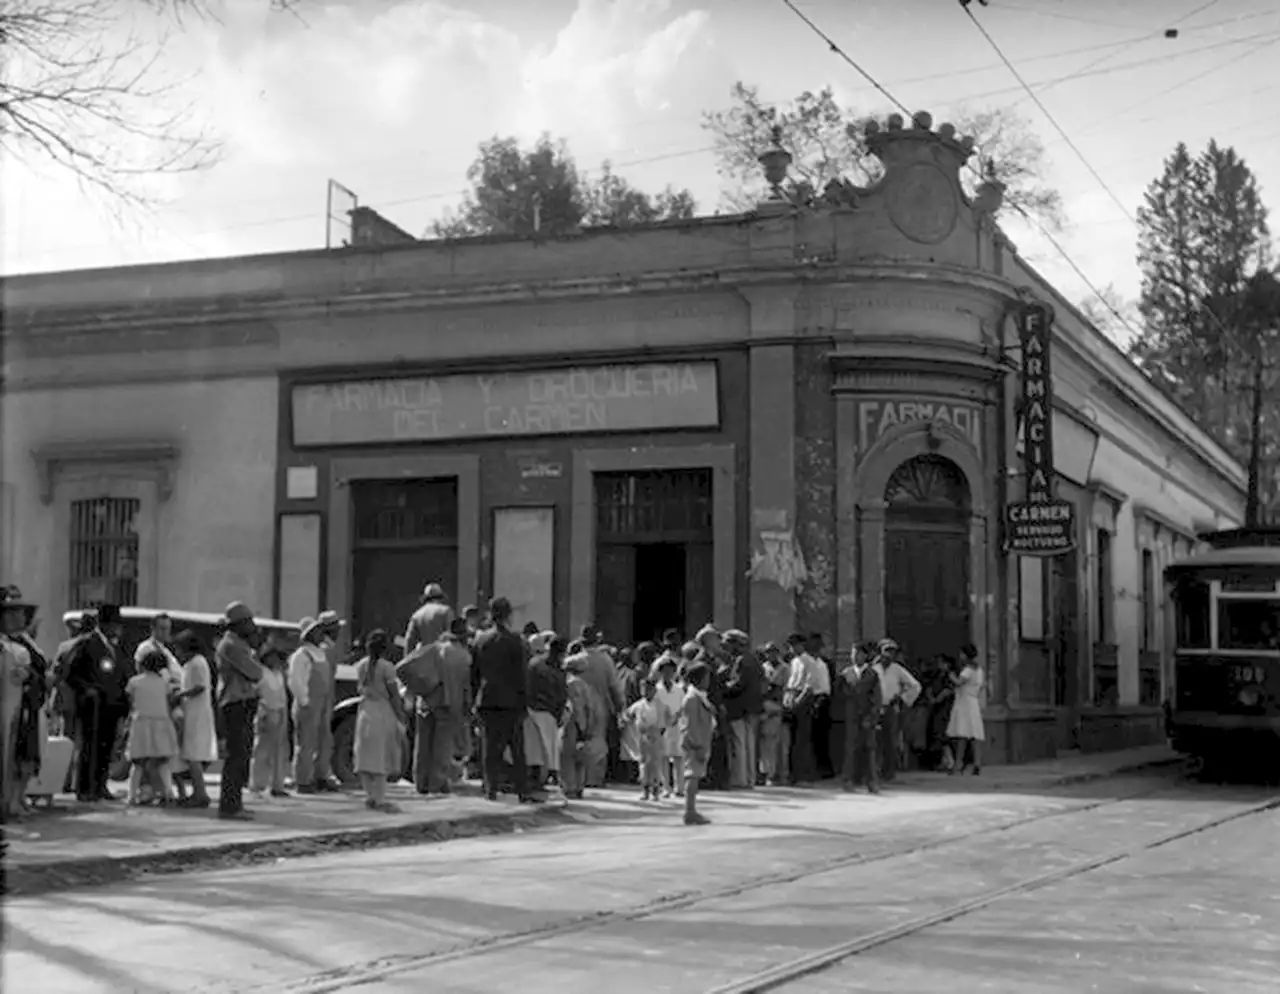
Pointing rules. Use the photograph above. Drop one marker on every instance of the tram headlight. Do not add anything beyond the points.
(1249, 697)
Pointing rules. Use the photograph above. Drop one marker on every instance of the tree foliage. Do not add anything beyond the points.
(1208, 335)
(1111, 314)
(519, 193)
(81, 89)
(826, 143)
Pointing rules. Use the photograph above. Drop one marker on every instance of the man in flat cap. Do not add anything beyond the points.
(743, 703)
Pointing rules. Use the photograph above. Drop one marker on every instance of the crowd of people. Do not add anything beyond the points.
(670, 716)
(529, 712)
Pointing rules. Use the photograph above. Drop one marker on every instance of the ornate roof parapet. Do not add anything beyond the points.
(897, 145)
(920, 188)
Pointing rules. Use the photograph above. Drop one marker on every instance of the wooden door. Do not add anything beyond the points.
(387, 585)
(926, 564)
(926, 590)
(615, 590)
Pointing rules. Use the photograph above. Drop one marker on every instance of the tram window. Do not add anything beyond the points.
(1248, 624)
(1192, 600)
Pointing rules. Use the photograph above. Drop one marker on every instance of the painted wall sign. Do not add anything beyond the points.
(538, 469)
(578, 400)
(875, 417)
(1041, 524)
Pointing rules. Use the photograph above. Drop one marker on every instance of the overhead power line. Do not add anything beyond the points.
(1049, 116)
(1130, 45)
(847, 58)
(380, 205)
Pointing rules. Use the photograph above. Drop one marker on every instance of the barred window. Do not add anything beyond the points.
(104, 551)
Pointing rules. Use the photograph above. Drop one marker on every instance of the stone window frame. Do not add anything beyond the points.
(1103, 643)
(142, 471)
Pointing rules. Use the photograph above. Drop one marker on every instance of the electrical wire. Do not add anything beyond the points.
(311, 216)
(842, 54)
(1049, 116)
(1129, 46)
(1257, 37)
(1227, 64)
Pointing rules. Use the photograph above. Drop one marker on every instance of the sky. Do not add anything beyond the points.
(390, 99)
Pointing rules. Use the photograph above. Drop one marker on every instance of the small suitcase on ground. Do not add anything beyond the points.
(53, 769)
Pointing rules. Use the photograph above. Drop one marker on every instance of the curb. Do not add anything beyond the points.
(37, 879)
(1149, 764)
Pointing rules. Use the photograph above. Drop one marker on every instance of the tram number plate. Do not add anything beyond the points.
(1248, 674)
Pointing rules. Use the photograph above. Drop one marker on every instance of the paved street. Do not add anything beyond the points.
(636, 899)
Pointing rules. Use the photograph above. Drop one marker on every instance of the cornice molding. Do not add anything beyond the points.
(723, 279)
(159, 459)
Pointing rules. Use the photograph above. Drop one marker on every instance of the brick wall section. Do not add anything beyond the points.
(815, 473)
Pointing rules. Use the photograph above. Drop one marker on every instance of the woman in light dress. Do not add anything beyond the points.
(199, 734)
(380, 720)
(965, 724)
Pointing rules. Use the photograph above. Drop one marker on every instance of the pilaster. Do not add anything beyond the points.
(772, 460)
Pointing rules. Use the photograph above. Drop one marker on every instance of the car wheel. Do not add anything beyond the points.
(344, 747)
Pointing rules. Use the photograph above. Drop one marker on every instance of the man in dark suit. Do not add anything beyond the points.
(863, 700)
(501, 660)
(97, 672)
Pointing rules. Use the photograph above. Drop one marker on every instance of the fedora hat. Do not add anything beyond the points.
(306, 626)
(238, 611)
(329, 618)
(108, 614)
(433, 592)
(11, 599)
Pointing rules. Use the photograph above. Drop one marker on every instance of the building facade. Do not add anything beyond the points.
(793, 419)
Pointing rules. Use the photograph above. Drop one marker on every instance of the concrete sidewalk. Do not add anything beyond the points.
(78, 845)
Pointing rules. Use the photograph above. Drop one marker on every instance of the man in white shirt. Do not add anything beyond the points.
(161, 636)
(900, 690)
(809, 685)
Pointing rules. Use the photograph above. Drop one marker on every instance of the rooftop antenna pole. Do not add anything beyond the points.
(338, 215)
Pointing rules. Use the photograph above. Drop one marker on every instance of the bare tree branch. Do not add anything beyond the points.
(83, 88)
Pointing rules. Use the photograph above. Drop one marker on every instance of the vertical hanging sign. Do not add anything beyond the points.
(1041, 524)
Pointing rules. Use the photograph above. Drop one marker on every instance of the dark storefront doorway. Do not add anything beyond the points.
(1064, 592)
(926, 565)
(406, 536)
(653, 552)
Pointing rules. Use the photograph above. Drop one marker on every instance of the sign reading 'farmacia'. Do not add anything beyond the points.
(552, 402)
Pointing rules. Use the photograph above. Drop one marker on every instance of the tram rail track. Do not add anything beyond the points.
(384, 968)
(783, 974)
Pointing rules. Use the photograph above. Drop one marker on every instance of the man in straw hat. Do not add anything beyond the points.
(97, 673)
(239, 672)
(900, 690)
(311, 682)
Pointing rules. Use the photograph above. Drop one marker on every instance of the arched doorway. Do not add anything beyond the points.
(926, 563)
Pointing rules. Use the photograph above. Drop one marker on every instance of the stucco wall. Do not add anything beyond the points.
(1153, 477)
(214, 534)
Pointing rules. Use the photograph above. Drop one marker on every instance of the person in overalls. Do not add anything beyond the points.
(311, 681)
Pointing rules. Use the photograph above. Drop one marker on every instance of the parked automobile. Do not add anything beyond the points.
(137, 622)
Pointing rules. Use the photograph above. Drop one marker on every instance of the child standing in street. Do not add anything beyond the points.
(153, 740)
(649, 718)
(271, 729)
(697, 726)
(671, 694)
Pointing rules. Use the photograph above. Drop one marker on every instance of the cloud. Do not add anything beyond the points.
(390, 99)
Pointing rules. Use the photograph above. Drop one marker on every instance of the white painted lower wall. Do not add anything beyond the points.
(210, 542)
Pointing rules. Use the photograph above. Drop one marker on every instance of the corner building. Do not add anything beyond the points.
(792, 419)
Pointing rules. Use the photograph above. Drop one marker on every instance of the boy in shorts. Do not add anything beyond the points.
(697, 723)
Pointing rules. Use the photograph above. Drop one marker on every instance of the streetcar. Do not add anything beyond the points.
(1225, 706)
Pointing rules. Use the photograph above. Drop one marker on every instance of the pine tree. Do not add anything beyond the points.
(1203, 238)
